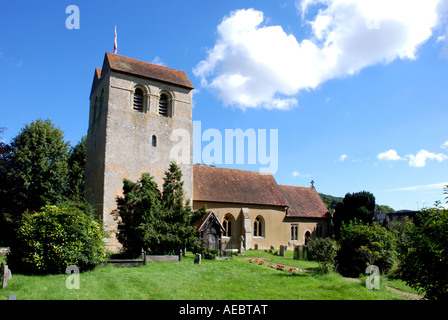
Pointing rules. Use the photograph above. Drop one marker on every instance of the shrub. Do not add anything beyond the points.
(159, 222)
(54, 238)
(206, 253)
(362, 245)
(322, 250)
(425, 267)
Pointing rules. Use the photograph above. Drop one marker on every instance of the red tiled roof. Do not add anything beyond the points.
(213, 184)
(147, 70)
(304, 202)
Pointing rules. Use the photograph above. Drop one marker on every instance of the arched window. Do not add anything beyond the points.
(164, 105)
(138, 100)
(227, 224)
(258, 227)
(154, 141)
(294, 232)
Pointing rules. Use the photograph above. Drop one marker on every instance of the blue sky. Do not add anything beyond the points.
(357, 92)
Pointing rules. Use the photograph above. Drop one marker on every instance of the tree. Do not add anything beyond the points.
(160, 222)
(330, 202)
(360, 205)
(425, 267)
(383, 208)
(5, 219)
(137, 211)
(38, 167)
(361, 245)
(77, 163)
(180, 218)
(401, 228)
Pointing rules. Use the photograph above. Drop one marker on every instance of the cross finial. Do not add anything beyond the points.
(312, 184)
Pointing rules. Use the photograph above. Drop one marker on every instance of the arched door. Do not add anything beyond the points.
(211, 240)
(307, 237)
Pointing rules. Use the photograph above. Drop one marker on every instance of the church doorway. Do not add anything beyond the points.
(212, 240)
(307, 237)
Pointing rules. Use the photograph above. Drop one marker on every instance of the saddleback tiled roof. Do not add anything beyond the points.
(143, 69)
(213, 184)
(304, 202)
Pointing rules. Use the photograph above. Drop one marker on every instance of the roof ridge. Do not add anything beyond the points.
(136, 60)
(224, 168)
(127, 65)
(289, 185)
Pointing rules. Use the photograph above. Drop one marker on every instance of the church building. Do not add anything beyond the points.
(141, 119)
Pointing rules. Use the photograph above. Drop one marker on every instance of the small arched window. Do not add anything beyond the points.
(154, 141)
(294, 232)
(258, 227)
(227, 225)
(164, 105)
(138, 100)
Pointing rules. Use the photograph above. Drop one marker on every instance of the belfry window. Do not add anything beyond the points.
(138, 100)
(163, 105)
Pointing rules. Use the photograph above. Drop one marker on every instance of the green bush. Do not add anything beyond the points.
(55, 237)
(322, 250)
(425, 267)
(206, 253)
(361, 245)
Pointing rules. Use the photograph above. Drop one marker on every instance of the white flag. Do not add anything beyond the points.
(115, 41)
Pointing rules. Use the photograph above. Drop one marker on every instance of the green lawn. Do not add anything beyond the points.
(234, 279)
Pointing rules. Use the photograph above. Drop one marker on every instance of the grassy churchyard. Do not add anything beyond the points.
(236, 279)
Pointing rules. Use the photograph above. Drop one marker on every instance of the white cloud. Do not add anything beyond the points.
(389, 155)
(298, 174)
(158, 61)
(343, 157)
(419, 160)
(255, 65)
(435, 186)
(444, 145)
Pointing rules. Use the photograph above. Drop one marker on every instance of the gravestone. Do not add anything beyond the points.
(300, 252)
(197, 258)
(256, 246)
(5, 275)
(144, 257)
(242, 244)
(282, 250)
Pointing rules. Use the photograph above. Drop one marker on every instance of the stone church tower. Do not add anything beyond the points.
(140, 120)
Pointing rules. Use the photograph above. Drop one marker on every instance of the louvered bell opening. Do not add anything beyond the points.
(138, 100)
(163, 105)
